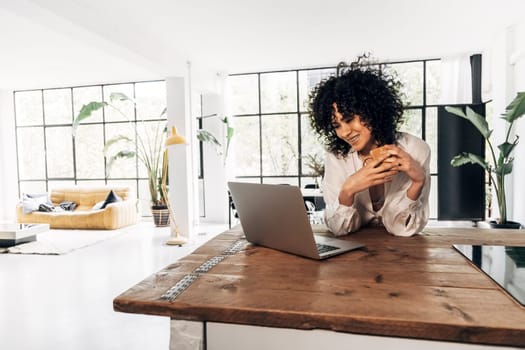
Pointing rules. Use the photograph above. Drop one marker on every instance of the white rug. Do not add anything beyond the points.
(57, 242)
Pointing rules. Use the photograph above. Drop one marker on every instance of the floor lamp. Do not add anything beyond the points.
(176, 238)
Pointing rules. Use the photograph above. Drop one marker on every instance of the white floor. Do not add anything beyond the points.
(65, 301)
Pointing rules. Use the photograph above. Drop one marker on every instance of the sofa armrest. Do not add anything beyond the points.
(119, 214)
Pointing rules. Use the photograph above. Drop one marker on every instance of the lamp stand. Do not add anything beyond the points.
(176, 238)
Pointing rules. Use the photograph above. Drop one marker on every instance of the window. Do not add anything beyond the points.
(49, 155)
(273, 139)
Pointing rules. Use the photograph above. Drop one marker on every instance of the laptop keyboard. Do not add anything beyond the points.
(323, 248)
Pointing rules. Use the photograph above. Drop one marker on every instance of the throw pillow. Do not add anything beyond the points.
(68, 205)
(110, 198)
(46, 208)
(31, 202)
(98, 205)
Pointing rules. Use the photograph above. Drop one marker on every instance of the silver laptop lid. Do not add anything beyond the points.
(275, 216)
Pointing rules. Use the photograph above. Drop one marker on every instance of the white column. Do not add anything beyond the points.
(181, 191)
(8, 161)
(216, 192)
(517, 60)
(502, 93)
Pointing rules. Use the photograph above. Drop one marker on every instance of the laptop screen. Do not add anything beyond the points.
(504, 264)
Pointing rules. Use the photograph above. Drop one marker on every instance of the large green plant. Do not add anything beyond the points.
(149, 147)
(204, 135)
(497, 167)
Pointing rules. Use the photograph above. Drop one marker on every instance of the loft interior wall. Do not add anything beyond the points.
(517, 75)
(8, 162)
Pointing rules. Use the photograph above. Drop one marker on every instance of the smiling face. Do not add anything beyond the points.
(353, 131)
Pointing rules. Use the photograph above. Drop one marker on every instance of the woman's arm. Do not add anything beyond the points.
(340, 219)
(342, 183)
(406, 207)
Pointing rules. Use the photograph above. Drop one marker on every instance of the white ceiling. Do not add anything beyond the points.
(47, 43)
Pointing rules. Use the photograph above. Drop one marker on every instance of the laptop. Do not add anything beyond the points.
(274, 216)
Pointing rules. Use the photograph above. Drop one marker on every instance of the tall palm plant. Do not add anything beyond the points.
(149, 147)
(498, 167)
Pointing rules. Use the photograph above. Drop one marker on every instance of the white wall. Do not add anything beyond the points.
(508, 77)
(517, 63)
(215, 189)
(8, 164)
(211, 86)
(181, 185)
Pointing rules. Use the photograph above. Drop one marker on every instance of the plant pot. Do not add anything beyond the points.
(161, 215)
(508, 224)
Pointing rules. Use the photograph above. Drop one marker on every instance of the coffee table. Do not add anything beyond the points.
(12, 233)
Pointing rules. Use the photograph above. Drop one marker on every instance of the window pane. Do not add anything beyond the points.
(308, 79)
(279, 145)
(85, 95)
(28, 105)
(278, 92)
(411, 75)
(57, 106)
(131, 184)
(56, 184)
(89, 150)
(91, 182)
(305, 180)
(433, 82)
(243, 94)
(32, 187)
(311, 149)
(122, 167)
(151, 99)
(247, 156)
(59, 151)
(144, 198)
(412, 122)
(151, 136)
(281, 180)
(431, 137)
(125, 108)
(31, 153)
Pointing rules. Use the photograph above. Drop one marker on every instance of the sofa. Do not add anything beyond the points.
(85, 216)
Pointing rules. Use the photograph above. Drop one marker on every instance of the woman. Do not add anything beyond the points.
(354, 113)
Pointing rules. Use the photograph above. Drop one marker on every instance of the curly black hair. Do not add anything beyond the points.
(361, 88)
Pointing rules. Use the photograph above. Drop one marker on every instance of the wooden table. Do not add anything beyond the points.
(417, 287)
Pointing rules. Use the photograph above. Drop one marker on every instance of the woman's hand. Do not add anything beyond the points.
(402, 161)
(373, 172)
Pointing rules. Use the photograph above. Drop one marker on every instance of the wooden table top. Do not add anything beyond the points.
(417, 287)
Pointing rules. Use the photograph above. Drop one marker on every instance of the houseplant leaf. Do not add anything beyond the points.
(516, 108)
(469, 158)
(125, 154)
(476, 119)
(507, 147)
(115, 140)
(206, 136)
(119, 96)
(229, 135)
(85, 112)
(506, 168)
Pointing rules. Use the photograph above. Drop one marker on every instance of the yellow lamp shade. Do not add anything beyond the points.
(174, 138)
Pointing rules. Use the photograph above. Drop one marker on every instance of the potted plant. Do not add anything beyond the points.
(316, 165)
(149, 148)
(499, 167)
(204, 135)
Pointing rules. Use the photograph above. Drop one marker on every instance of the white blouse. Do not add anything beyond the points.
(400, 215)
